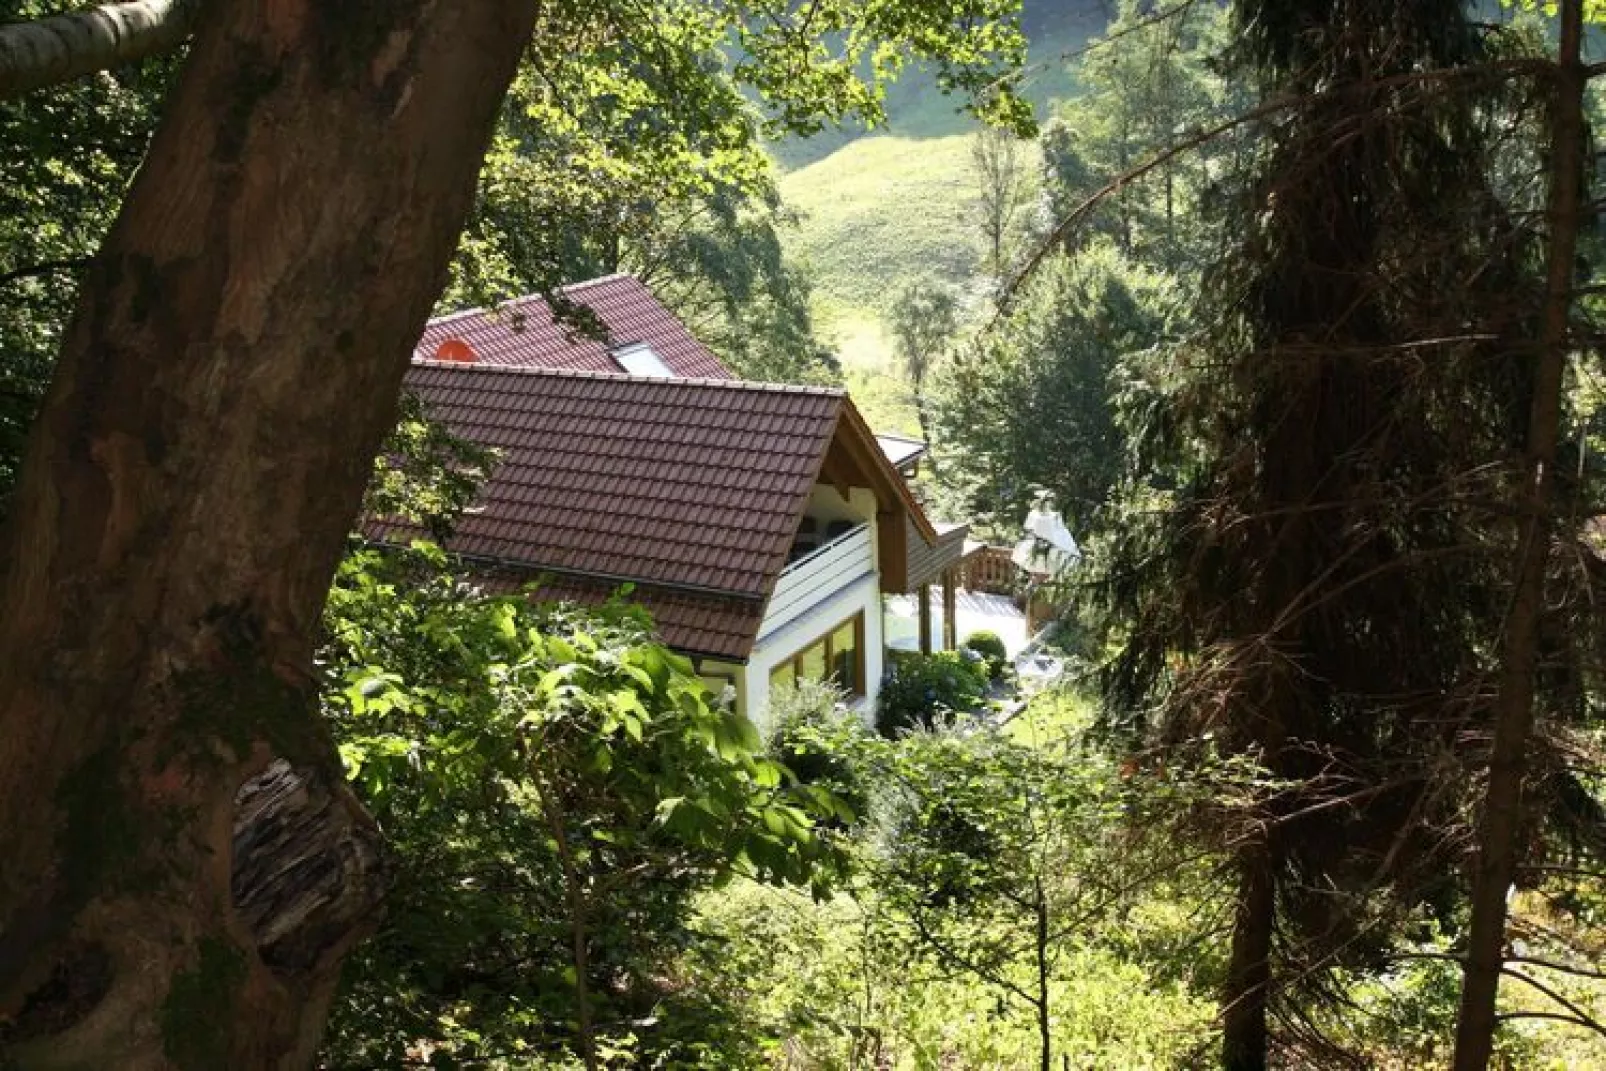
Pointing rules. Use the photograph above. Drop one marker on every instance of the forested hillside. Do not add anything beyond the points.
(547, 708)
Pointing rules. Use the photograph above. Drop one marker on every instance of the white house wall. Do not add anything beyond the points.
(827, 504)
(788, 627)
(733, 672)
(787, 639)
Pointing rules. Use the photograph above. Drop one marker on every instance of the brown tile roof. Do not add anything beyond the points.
(721, 626)
(523, 333)
(690, 487)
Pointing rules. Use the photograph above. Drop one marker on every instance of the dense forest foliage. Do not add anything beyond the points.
(1288, 310)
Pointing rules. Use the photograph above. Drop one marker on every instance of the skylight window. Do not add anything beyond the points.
(639, 360)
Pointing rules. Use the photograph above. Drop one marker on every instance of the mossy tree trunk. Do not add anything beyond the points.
(183, 868)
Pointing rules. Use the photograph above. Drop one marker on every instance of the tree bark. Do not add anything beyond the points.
(1245, 1036)
(1045, 1030)
(1498, 846)
(47, 52)
(184, 868)
(579, 931)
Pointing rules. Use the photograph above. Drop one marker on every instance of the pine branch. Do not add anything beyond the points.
(1068, 226)
(1581, 1017)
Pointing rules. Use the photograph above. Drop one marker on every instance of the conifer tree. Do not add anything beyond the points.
(1326, 582)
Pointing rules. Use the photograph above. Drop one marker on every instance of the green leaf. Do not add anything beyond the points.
(625, 701)
(504, 620)
(747, 734)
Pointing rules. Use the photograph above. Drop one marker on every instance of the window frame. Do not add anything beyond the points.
(647, 361)
(794, 661)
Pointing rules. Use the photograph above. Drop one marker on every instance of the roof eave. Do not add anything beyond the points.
(894, 488)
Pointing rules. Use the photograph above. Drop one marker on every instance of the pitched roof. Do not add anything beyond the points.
(683, 485)
(722, 626)
(523, 333)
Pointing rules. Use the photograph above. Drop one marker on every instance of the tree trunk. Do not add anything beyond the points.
(50, 51)
(1045, 1034)
(579, 930)
(184, 868)
(1170, 211)
(1245, 1038)
(1498, 847)
(1125, 165)
(923, 420)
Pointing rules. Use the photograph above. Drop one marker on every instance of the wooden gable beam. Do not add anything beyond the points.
(893, 537)
(837, 471)
(891, 491)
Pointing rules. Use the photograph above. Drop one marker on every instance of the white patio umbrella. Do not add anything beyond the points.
(1048, 546)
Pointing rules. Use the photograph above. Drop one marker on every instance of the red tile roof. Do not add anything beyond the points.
(690, 488)
(522, 333)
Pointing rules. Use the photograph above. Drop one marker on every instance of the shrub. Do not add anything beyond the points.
(920, 687)
(803, 700)
(989, 646)
(820, 742)
(488, 736)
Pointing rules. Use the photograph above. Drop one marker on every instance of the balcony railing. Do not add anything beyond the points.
(816, 576)
(991, 569)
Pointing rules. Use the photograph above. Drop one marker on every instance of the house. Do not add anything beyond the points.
(761, 525)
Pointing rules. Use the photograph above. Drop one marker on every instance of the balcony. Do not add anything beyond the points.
(811, 579)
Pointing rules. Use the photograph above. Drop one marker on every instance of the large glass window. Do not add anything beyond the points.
(844, 643)
(834, 656)
(811, 662)
(783, 675)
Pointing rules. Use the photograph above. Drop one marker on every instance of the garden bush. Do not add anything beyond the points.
(990, 647)
(545, 774)
(920, 688)
(820, 742)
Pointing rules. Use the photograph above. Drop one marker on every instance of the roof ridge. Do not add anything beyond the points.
(450, 317)
(610, 277)
(691, 381)
(534, 295)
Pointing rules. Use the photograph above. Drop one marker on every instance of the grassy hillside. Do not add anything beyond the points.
(880, 213)
(882, 210)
